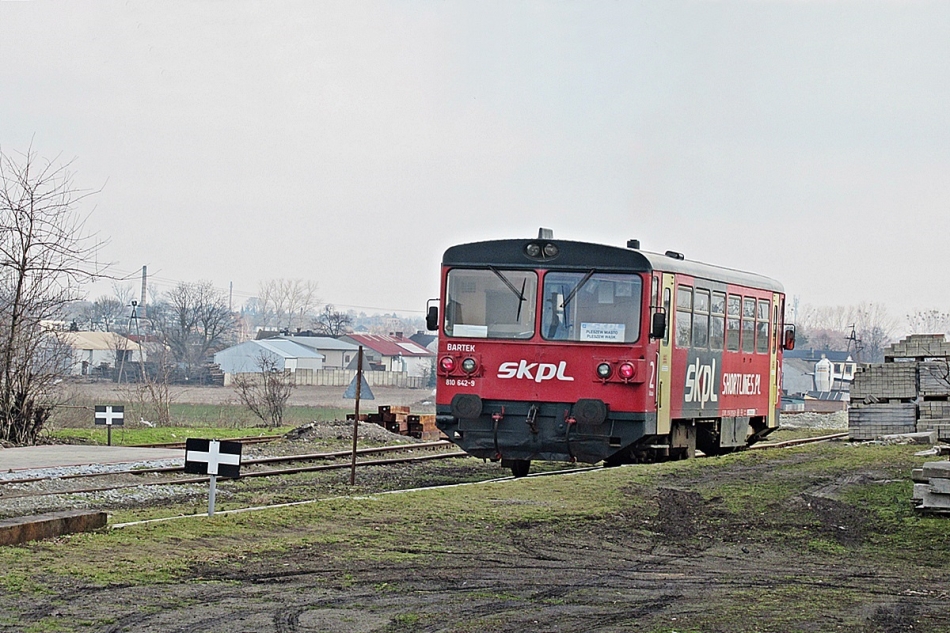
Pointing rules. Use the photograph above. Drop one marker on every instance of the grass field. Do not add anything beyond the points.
(816, 538)
(188, 420)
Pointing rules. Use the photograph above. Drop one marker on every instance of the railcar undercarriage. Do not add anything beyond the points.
(518, 432)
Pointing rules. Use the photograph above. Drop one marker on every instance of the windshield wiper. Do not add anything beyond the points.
(511, 286)
(574, 291)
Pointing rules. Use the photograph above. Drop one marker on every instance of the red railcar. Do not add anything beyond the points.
(561, 350)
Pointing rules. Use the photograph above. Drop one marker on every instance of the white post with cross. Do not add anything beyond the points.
(109, 416)
(214, 458)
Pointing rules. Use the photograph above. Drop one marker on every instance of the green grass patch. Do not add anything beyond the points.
(123, 436)
(71, 422)
(783, 501)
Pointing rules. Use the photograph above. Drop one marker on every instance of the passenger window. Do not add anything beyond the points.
(732, 323)
(684, 315)
(717, 322)
(762, 327)
(748, 325)
(701, 318)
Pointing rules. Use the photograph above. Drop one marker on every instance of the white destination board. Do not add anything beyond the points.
(605, 332)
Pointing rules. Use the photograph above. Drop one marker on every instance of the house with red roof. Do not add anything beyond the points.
(394, 352)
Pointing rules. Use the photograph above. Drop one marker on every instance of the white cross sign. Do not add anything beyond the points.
(211, 457)
(110, 415)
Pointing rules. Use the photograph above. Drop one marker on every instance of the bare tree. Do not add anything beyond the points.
(287, 304)
(929, 322)
(265, 393)
(333, 323)
(45, 253)
(194, 321)
(875, 327)
(830, 328)
(154, 392)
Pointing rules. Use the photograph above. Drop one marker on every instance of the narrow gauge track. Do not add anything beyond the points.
(314, 457)
(245, 475)
(279, 459)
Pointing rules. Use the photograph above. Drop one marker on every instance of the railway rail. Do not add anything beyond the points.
(244, 462)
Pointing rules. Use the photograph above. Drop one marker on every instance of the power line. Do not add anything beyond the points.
(159, 281)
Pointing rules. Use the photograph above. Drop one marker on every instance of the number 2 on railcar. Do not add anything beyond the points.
(560, 350)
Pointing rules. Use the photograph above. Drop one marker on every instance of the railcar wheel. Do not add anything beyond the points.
(520, 467)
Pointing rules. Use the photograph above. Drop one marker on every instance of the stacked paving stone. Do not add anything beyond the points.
(932, 487)
(933, 379)
(885, 381)
(919, 347)
(882, 398)
(909, 392)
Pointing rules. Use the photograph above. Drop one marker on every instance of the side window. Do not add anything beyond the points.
(701, 318)
(762, 327)
(732, 323)
(717, 321)
(775, 327)
(684, 315)
(748, 325)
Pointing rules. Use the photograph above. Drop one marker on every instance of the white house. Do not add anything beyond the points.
(285, 355)
(395, 353)
(91, 350)
(337, 354)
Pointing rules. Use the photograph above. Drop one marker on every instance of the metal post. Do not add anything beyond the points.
(211, 491)
(356, 418)
(109, 434)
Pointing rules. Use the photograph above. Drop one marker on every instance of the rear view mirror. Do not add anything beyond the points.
(789, 342)
(432, 316)
(658, 326)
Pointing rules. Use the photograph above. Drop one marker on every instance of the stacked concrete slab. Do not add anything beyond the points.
(919, 347)
(908, 392)
(932, 487)
(885, 381)
(870, 421)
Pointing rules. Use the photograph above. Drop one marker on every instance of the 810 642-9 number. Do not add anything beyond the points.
(459, 382)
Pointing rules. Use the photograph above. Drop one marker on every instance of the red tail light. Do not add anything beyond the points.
(447, 364)
(626, 371)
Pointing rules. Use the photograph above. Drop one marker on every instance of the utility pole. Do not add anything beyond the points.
(142, 297)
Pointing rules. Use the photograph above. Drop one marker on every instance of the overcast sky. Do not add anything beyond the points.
(351, 143)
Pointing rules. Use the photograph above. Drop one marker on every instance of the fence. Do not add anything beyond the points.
(343, 377)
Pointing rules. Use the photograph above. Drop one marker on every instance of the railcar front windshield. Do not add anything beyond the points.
(591, 307)
(490, 303)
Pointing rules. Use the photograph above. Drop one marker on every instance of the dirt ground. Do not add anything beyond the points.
(667, 558)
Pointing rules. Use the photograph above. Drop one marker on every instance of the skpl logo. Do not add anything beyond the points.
(538, 372)
(701, 384)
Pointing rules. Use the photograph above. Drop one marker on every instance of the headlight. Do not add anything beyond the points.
(469, 365)
(604, 370)
(447, 364)
(626, 371)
